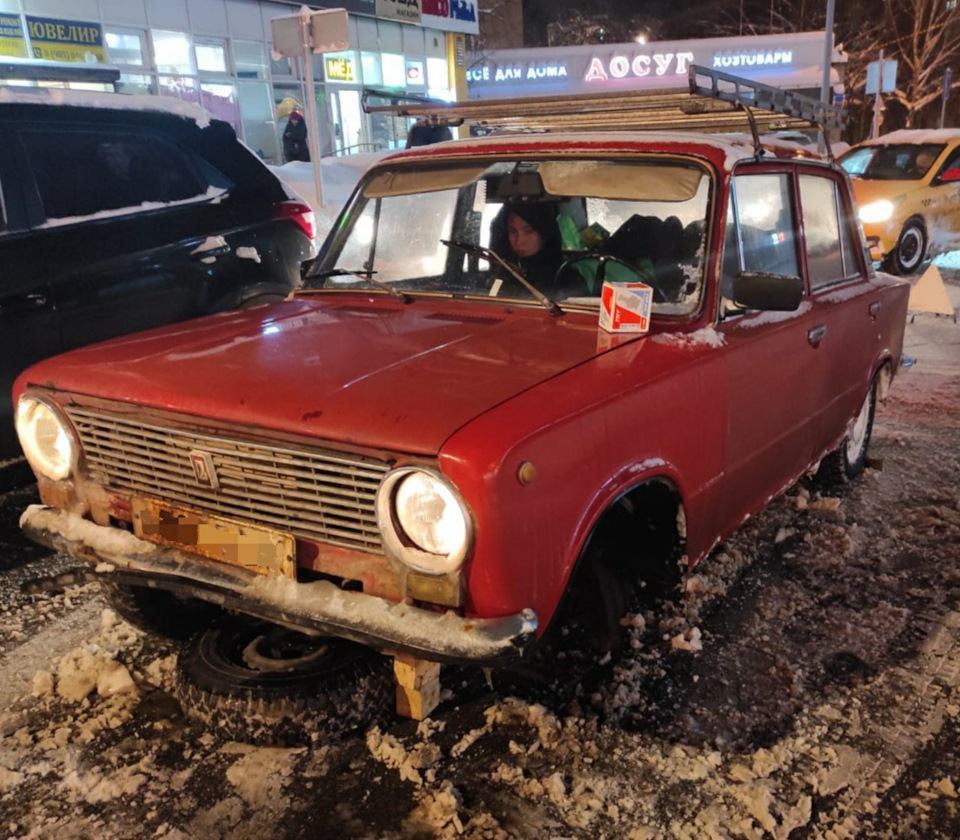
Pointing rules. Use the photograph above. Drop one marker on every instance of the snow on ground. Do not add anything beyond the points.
(808, 686)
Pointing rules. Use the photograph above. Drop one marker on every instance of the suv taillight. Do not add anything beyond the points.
(297, 212)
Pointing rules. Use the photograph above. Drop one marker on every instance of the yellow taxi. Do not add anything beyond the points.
(907, 184)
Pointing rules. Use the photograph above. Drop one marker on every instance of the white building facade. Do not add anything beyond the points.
(219, 53)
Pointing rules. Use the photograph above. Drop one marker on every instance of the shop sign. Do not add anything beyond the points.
(66, 40)
(450, 15)
(463, 10)
(406, 11)
(752, 58)
(340, 70)
(530, 72)
(12, 40)
(414, 72)
(621, 66)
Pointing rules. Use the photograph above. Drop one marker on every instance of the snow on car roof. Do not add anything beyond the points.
(102, 99)
(915, 135)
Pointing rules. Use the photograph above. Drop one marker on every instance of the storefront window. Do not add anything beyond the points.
(370, 64)
(394, 70)
(211, 56)
(281, 66)
(437, 76)
(124, 47)
(135, 83)
(250, 59)
(221, 101)
(259, 126)
(180, 87)
(172, 53)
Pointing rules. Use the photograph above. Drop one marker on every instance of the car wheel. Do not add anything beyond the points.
(156, 611)
(257, 682)
(911, 247)
(848, 460)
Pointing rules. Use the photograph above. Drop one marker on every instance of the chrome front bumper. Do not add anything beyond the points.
(318, 607)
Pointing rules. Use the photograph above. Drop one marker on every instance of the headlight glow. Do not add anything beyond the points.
(429, 514)
(46, 438)
(876, 211)
(423, 520)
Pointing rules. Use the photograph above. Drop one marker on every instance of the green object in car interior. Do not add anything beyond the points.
(590, 239)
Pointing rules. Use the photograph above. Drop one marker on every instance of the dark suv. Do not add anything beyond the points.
(121, 213)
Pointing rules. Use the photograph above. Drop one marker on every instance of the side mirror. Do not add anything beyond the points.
(951, 175)
(773, 292)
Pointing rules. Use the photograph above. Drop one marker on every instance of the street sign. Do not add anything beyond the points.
(889, 76)
(329, 31)
(296, 36)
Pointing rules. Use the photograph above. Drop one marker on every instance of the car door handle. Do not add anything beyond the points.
(815, 335)
(21, 303)
(210, 252)
(874, 310)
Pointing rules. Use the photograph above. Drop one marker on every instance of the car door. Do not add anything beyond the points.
(845, 303)
(944, 215)
(120, 221)
(28, 327)
(770, 394)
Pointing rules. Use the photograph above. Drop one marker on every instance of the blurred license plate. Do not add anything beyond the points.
(261, 550)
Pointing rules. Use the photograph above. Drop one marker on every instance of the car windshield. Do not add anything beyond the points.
(894, 162)
(534, 230)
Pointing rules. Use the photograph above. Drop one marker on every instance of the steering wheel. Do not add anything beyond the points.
(602, 260)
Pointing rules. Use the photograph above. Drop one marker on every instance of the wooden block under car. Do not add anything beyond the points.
(418, 686)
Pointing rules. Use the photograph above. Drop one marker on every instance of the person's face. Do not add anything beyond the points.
(524, 239)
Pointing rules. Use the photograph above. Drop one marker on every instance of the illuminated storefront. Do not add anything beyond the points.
(790, 61)
(219, 53)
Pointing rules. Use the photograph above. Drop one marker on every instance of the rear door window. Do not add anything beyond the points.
(82, 172)
(829, 241)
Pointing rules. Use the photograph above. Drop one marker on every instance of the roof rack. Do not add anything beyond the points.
(715, 102)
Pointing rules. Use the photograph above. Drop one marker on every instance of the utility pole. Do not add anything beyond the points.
(878, 101)
(827, 63)
(306, 63)
(827, 54)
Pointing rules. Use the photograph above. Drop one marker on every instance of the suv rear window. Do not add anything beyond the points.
(82, 172)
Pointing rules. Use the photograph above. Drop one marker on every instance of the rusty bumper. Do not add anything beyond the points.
(318, 607)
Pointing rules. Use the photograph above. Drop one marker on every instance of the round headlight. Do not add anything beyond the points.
(46, 438)
(424, 521)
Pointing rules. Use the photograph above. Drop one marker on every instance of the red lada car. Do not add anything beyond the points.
(431, 451)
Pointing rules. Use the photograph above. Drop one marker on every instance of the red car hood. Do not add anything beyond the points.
(378, 374)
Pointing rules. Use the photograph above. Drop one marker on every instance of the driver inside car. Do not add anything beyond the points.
(527, 235)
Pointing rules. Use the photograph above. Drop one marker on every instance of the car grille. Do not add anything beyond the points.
(323, 495)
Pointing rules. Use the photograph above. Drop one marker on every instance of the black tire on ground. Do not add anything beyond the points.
(256, 682)
(847, 461)
(910, 249)
(612, 577)
(156, 611)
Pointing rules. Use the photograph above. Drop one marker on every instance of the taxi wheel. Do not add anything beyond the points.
(252, 681)
(911, 247)
(847, 462)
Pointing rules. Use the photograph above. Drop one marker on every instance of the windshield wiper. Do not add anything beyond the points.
(363, 274)
(493, 256)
